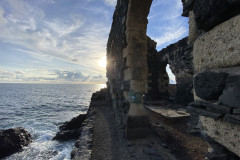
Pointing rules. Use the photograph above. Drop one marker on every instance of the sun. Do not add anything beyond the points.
(102, 62)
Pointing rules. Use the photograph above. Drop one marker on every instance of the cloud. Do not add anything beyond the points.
(49, 76)
(72, 39)
(110, 2)
(170, 36)
(170, 27)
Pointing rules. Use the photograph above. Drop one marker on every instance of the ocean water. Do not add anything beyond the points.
(41, 109)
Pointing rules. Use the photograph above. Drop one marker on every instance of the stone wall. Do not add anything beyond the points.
(179, 58)
(127, 66)
(116, 64)
(135, 68)
(214, 32)
(158, 79)
(206, 65)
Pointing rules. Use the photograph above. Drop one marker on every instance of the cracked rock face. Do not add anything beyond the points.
(13, 140)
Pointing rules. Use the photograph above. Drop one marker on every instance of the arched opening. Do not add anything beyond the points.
(172, 86)
(166, 48)
(140, 69)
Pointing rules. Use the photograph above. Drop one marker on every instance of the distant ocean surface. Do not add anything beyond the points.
(41, 109)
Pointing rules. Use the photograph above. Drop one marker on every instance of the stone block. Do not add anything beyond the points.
(138, 86)
(192, 28)
(204, 112)
(127, 74)
(231, 97)
(209, 85)
(211, 107)
(209, 13)
(223, 132)
(233, 81)
(125, 52)
(218, 48)
(125, 86)
(125, 94)
(138, 35)
(136, 109)
(139, 74)
(136, 61)
(187, 7)
(234, 119)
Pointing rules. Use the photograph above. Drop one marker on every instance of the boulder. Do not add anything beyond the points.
(13, 140)
(72, 129)
(209, 13)
(209, 85)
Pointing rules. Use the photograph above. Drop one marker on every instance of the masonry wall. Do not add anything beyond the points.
(179, 57)
(116, 65)
(214, 32)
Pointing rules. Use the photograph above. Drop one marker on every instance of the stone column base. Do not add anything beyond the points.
(137, 127)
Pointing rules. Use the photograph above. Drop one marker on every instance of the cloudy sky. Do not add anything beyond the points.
(64, 41)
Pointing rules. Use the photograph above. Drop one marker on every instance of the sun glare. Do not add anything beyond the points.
(102, 62)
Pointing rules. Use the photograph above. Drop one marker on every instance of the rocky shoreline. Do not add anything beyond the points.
(81, 128)
(13, 140)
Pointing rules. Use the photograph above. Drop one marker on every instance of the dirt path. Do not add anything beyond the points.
(105, 138)
(107, 146)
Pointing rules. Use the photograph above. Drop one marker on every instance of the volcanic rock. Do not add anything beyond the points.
(13, 140)
(209, 85)
(70, 130)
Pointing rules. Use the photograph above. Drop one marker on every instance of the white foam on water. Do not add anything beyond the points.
(41, 109)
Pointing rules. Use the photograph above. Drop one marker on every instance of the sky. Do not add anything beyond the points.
(64, 41)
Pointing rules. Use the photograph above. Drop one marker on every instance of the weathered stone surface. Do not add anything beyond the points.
(223, 132)
(217, 151)
(231, 97)
(125, 86)
(83, 146)
(193, 30)
(209, 85)
(233, 2)
(209, 13)
(234, 119)
(211, 106)
(236, 111)
(13, 140)
(218, 48)
(184, 86)
(205, 112)
(187, 7)
(233, 81)
(179, 58)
